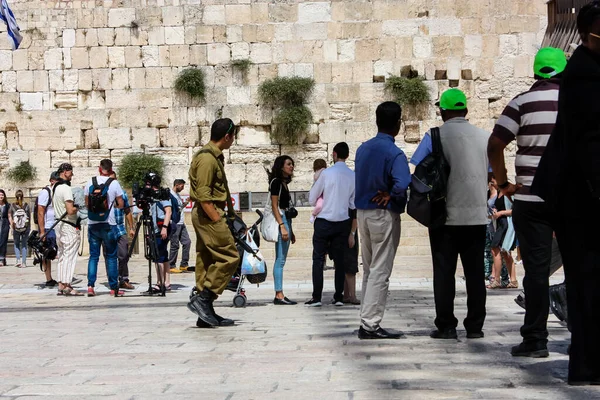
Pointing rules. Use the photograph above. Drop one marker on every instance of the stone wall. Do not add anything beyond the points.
(93, 79)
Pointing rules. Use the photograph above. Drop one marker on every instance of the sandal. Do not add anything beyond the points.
(513, 285)
(494, 285)
(71, 292)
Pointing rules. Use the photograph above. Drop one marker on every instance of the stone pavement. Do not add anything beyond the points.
(148, 347)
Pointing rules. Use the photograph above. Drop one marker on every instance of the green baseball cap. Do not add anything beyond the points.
(453, 99)
(549, 62)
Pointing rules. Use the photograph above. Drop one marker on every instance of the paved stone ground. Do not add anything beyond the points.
(146, 347)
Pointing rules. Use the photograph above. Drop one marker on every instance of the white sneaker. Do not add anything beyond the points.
(312, 303)
(337, 303)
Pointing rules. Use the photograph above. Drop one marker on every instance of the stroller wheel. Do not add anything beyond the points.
(239, 300)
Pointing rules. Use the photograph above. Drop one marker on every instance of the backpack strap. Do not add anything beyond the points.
(49, 196)
(94, 182)
(436, 141)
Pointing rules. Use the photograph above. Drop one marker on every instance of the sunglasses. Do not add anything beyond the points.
(233, 129)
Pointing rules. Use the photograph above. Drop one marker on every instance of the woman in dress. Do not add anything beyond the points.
(279, 178)
(4, 226)
(503, 241)
(19, 216)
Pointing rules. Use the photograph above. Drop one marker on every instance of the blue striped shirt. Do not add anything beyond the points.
(120, 215)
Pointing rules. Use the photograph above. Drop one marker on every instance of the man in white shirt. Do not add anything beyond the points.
(102, 193)
(333, 226)
(180, 233)
(67, 234)
(45, 218)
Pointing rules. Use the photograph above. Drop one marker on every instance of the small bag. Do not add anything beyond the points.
(269, 228)
(20, 219)
(427, 198)
(252, 263)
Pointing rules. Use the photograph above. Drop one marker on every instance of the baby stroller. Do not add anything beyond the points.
(239, 231)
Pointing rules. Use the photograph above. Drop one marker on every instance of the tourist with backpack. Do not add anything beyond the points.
(18, 216)
(67, 232)
(102, 194)
(180, 233)
(124, 217)
(461, 150)
(163, 225)
(43, 217)
(4, 226)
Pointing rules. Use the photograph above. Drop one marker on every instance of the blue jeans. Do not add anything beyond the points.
(281, 251)
(20, 244)
(106, 236)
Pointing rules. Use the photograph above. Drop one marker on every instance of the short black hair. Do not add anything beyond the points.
(106, 165)
(178, 182)
(587, 15)
(342, 150)
(220, 128)
(65, 167)
(388, 114)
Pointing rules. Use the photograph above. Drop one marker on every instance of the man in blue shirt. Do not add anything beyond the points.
(382, 177)
(123, 215)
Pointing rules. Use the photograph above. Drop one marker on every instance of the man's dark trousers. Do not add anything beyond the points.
(534, 230)
(329, 237)
(447, 243)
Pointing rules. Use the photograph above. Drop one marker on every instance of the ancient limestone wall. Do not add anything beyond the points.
(93, 79)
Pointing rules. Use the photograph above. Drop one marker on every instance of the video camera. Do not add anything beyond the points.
(42, 249)
(149, 192)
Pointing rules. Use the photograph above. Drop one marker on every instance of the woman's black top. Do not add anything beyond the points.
(500, 206)
(284, 197)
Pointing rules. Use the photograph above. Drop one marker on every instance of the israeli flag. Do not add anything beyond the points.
(8, 17)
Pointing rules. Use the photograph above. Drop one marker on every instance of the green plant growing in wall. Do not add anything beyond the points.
(135, 166)
(191, 81)
(288, 96)
(22, 172)
(408, 91)
(242, 65)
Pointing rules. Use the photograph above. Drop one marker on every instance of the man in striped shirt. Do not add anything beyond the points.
(530, 118)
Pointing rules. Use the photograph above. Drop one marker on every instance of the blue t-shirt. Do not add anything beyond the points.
(158, 213)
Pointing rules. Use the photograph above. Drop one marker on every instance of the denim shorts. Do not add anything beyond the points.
(163, 251)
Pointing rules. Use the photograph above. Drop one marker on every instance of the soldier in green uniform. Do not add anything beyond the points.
(217, 257)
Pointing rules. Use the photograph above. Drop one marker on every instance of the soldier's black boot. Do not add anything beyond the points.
(201, 305)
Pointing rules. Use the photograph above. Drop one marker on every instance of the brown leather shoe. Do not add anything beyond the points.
(126, 285)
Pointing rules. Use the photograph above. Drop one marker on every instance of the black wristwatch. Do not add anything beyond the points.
(504, 185)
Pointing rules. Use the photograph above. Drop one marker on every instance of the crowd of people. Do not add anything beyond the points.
(549, 211)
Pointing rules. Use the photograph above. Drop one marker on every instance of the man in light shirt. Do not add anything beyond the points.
(180, 233)
(333, 226)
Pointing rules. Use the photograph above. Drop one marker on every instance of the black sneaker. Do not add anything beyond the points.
(337, 303)
(520, 300)
(475, 335)
(313, 303)
(533, 350)
(75, 281)
(51, 283)
(449, 333)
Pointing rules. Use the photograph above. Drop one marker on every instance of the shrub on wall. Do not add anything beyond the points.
(288, 97)
(191, 81)
(134, 168)
(23, 172)
(408, 91)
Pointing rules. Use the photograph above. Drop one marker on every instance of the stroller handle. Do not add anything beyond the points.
(260, 218)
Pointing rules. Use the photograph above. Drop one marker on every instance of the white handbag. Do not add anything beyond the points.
(269, 228)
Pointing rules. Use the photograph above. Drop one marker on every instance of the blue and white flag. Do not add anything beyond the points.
(8, 17)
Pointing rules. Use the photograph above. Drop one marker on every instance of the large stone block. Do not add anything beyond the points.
(144, 137)
(31, 101)
(156, 35)
(53, 59)
(238, 14)
(40, 81)
(114, 138)
(123, 36)
(170, 156)
(91, 100)
(98, 57)
(204, 34)
(260, 53)
(253, 154)
(20, 59)
(25, 81)
(314, 12)
(133, 57)
(214, 15)
(179, 55)
(315, 31)
(101, 79)
(238, 95)
(172, 16)
(174, 35)
(444, 26)
(137, 78)
(120, 78)
(406, 27)
(106, 37)
(118, 17)
(218, 53)
(68, 37)
(279, 12)
(422, 46)
(66, 100)
(116, 57)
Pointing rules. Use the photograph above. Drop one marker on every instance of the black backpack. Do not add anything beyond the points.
(36, 205)
(428, 187)
(98, 205)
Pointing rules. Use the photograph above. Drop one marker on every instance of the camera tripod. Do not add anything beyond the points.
(150, 251)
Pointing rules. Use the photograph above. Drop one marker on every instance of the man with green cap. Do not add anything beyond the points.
(464, 147)
(530, 118)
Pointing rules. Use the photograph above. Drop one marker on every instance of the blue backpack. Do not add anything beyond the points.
(175, 211)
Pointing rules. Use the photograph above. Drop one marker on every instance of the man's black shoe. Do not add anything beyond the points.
(533, 350)
(520, 300)
(222, 321)
(284, 302)
(449, 333)
(201, 305)
(380, 333)
(51, 283)
(475, 335)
